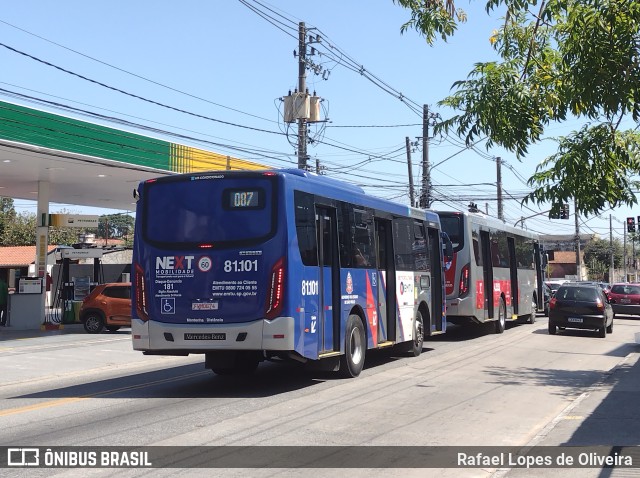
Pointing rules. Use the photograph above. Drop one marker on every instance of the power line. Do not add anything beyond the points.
(135, 74)
(133, 95)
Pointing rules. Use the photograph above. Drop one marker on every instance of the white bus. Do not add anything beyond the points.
(495, 273)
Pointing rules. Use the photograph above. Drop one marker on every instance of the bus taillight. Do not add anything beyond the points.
(463, 287)
(275, 292)
(141, 293)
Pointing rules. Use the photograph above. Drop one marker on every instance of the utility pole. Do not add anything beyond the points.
(611, 264)
(302, 87)
(411, 193)
(624, 251)
(499, 173)
(425, 194)
(578, 262)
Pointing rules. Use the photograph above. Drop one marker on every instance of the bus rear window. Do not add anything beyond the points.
(212, 211)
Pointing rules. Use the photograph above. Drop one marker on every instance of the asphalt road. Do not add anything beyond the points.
(469, 387)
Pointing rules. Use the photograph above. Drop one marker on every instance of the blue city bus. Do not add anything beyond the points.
(285, 264)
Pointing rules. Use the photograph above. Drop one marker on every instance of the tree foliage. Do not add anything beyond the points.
(597, 257)
(118, 226)
(7, 214)
(560, 59)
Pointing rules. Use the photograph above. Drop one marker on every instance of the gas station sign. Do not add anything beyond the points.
(73, 220)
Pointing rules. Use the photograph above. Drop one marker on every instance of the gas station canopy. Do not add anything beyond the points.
(52, 158)
(88, 164)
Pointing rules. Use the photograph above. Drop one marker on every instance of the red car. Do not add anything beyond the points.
(625, 298)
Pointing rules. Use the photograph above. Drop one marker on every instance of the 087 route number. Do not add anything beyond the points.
(246, 265)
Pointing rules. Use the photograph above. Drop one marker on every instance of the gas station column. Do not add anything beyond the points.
(42, 237)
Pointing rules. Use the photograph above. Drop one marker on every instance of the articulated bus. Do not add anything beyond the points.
(495, 273)
(250, 266)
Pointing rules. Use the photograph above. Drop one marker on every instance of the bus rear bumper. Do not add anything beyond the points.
(274, 335)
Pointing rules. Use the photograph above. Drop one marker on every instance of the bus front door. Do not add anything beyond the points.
(387, 284)
(329, 280)
(487, 274)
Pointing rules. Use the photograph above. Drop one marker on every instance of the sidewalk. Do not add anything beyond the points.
(10, 333)
(606, 415)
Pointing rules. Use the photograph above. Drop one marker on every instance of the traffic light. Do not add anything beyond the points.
(564, 211)
(631, 224)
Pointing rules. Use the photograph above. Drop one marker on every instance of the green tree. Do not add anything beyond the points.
(597, 257)
(560, 59)
(21, 231)
(7, 213)
(118, 226)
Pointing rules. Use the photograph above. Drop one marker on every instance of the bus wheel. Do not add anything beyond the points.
(414, 347)
(352, 362)
(502, 317)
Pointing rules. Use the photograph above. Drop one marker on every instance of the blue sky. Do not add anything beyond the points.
(222, 60)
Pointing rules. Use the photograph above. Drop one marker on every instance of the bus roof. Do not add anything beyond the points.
(321, 185)
(496, 223)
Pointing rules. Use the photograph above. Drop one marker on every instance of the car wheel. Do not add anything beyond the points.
(93, 323)
(602, 332)
(553, 330)
(610, 327)
(352, 362)
(502, 317)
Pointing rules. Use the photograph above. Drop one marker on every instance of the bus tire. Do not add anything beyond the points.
(502, 317)
(414, 347)
(355, 346)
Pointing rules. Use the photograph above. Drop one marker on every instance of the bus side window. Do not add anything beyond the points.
(419, 248)
(306, 228)
(403, 243)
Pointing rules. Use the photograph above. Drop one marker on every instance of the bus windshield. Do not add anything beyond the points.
(193, 212)
(453, 226)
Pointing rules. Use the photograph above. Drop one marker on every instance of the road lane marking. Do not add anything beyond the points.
(65, 401)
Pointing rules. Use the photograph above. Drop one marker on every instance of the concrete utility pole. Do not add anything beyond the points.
(411, 193)
(578, 262)
(302, 86)
(499, 183)
(611, 264)
(425, 194)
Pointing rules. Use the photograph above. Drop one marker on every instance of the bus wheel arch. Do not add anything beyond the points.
(355, 346)
(414, 347)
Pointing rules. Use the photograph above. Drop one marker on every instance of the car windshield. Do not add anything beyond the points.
(626, 289)
(585, 294)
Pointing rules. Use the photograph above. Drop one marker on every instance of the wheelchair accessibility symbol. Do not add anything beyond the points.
(168, 305)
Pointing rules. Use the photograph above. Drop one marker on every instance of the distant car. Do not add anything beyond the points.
(603, 285)
(554, 284)
(547, 293)
(580, 306)
(107, 306)
(625, 299)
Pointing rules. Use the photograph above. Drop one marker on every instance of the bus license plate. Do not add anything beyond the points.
(218, 336)
(577, 320)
